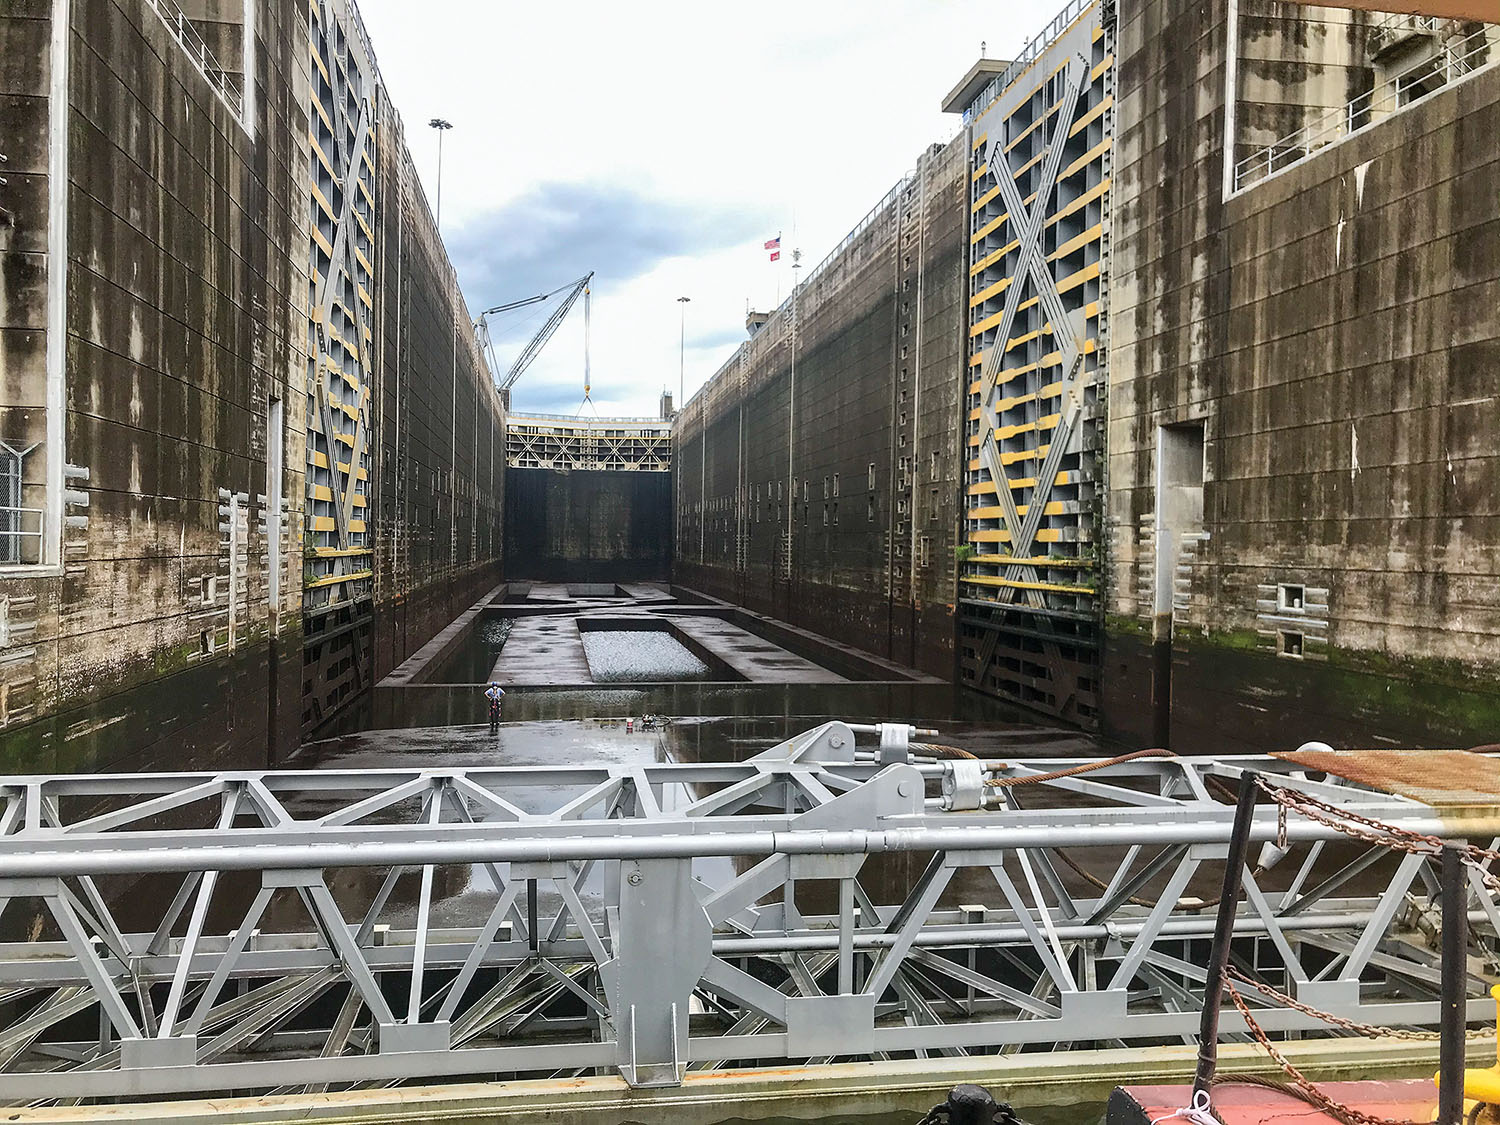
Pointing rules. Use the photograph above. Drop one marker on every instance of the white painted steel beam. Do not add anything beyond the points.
(606, 931)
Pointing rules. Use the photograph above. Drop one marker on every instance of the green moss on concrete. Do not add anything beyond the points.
(1410, 697)
(1121, 626)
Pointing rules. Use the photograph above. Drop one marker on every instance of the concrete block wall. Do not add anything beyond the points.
(1335, 330)
(587, 525)
(439, 469)
(154, 279)
(808, 495)
(144, 637)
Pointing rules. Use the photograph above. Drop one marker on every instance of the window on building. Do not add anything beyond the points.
(10, 505)
(936, 464)
(870, 510)
(835, 484)
(872, 474)
(20, 527)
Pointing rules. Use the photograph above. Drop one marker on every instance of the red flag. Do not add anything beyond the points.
(775, 255)
(774, 243)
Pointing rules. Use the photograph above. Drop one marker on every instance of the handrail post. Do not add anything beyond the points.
(1455, 971)
(1218, 955)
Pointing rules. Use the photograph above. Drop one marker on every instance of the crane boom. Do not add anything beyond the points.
(536, 343)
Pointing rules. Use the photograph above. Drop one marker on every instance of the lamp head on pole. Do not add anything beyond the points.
(439, 123)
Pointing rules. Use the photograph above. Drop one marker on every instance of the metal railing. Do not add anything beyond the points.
(657, 918)
(196, 49)
(1398, 25)
(906, 180)
(1454, 62)
(1030, 52)
(575, 422)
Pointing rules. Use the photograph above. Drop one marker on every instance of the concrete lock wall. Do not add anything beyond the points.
(160, 497)
(584, 525)
(827, 495)
(1331, 338)
(1302, 370)
(440, 473)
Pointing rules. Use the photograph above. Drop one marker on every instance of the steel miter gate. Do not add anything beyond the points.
(306, 930)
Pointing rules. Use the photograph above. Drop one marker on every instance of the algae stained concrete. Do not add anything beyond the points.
(585, 525)
(1335, 331)
(439, 479)
(828, 496)
(154, 361)
(150, 277)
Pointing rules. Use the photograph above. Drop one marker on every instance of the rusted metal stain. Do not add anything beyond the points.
(1434, 777)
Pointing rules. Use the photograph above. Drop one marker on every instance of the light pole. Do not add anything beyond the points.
(442, 127)
(682, 353)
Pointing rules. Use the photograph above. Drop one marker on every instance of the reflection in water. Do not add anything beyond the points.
(473, 659)
(797, 706)
(735, 733)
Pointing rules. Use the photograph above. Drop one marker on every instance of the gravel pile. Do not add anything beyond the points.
(632, 657)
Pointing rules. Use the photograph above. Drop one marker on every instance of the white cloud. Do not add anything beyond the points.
(736, 121)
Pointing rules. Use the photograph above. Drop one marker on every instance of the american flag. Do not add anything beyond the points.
(774, 243)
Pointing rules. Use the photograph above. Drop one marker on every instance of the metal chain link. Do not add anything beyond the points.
(1345, 1113)
(1368, 1030)
(1380, 834)
(1377, 832)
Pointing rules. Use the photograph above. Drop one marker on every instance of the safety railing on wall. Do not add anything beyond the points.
(1460, 58)
(1030, 52)
(859, 228)
(573, 422)
(1399, 25)
(197, 51)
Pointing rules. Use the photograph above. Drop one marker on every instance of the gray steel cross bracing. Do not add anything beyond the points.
(654, 918)
(1032, 274)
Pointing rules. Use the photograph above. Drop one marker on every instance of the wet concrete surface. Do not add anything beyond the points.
(544, 651)
(754, 658)
(543, 646)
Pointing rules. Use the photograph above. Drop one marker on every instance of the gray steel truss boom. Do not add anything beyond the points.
(278, 931)
(535, 345)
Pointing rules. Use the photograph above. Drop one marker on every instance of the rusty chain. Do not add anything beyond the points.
(1345, 1113)
(1376, 832)
(1368, 1030)
(1380, 834)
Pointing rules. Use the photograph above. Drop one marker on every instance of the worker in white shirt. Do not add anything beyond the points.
(494, 693)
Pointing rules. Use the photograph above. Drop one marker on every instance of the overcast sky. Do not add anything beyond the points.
(660, 144)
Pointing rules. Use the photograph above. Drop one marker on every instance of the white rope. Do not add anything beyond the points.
(1199, 1113)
